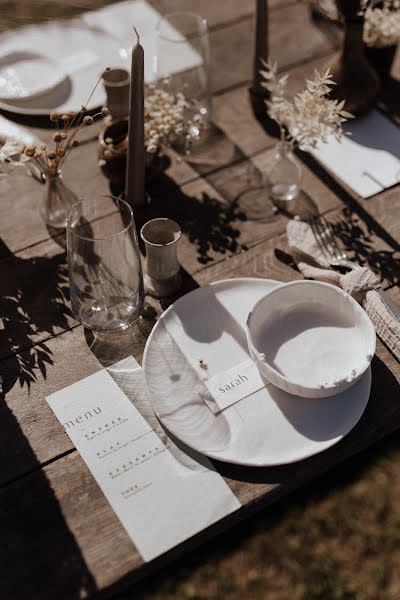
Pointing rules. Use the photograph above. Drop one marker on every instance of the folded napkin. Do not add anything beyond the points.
(12, 139)
(360, 283)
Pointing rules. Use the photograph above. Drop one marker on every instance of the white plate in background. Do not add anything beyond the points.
(79, 56)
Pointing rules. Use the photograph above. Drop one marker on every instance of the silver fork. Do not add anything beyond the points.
(326, 239)
(327, 242)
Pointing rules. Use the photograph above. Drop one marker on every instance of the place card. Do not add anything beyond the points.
(230, 386)
(162, 494)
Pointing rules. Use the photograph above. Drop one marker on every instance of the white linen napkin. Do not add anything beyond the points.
(12, 138)
(118, 19)
(367, 158)
(360, 283)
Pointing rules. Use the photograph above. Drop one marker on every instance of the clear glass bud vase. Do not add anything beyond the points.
(284, 175)
(57, 201)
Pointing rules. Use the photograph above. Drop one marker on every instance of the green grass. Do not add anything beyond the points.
(337, 540)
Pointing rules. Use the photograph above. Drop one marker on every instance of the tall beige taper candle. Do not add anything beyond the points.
(260, 46)
(135, 164)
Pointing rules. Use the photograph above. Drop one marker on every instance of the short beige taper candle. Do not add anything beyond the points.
(135, 165)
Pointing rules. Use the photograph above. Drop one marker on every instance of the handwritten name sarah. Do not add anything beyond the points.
(232, 384)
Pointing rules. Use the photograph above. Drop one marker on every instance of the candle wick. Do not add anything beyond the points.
(137, 35)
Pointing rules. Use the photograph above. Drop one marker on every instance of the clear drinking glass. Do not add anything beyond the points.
(183, 56)
(105, 272)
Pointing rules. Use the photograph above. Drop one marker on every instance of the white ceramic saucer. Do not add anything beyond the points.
(268, 428)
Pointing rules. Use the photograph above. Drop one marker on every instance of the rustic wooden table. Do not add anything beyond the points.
(59, 536)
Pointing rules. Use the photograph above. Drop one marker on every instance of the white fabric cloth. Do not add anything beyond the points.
(367, 159)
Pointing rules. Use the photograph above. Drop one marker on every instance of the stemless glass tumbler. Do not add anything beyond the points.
(183, 57)
(104, 265)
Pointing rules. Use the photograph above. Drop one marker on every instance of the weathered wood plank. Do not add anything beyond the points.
(60, 531)
(232, 111)
(385, 209)
(272, 258)
(64, 545)
(217, 14)
(21, 225)
(29, 430)
(232, 51)
(220, 215)
(371, 210)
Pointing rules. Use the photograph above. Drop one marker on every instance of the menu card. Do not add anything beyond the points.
(162, 493)
(367, 158)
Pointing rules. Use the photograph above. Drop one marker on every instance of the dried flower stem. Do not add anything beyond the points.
(310, 116)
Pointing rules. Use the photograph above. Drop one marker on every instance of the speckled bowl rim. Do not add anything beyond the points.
(299, 389)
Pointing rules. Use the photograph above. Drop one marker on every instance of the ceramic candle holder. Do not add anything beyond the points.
(117, 84)
(161, 238)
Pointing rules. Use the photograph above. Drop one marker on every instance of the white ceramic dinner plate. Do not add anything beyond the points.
(68, 59)
(270, 427)
(26, 75)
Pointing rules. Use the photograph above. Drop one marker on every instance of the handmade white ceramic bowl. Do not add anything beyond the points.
(310, 339)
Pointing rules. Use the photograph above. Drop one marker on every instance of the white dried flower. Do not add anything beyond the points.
(381, 20)
(382, 24)
(165, 117)
(310, 116)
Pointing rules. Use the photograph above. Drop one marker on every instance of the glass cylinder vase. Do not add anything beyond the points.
(57, 200)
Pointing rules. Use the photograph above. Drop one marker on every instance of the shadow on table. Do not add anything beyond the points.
(348, 200)
(33, 296)
(37, 543)
(385, 390)
(374, 131)
(359, 244)
(390, 98)
(209, 224)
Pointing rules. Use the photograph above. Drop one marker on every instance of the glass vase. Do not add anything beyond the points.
(58, 199)
(284, 176)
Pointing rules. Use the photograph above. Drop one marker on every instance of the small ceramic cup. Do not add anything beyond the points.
(161, 238)
(117, 85)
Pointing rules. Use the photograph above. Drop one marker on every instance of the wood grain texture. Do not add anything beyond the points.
(61, 537)
(232, 61)
(220, 215)
(31, 433)
(217, 13)
(233, 114)
(99, 532)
